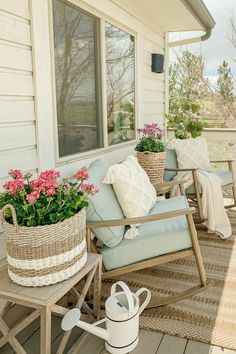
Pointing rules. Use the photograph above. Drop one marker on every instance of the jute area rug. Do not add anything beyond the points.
(209, 316)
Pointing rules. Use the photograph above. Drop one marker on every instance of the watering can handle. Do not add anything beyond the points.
(146, 301)
(128, 294)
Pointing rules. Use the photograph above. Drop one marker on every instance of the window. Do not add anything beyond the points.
(120, 85)
(76, 74)
(82, 124)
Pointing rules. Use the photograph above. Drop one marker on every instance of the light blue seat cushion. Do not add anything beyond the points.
(155, 238)
(226, 177)
(171, 162)
(104, 206)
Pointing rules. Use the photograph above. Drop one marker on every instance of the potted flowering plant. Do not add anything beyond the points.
(151, 151)
(44, 224)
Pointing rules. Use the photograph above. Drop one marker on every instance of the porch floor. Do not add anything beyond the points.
(149, 342)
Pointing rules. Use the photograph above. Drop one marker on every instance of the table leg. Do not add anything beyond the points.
(45, 331)
(6, 309)
(12, 340)
(97, 290)
(79, 304)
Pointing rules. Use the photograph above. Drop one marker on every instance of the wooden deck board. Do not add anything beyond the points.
(203, 348)
(92, 344)
(149, 342)
(171, 344)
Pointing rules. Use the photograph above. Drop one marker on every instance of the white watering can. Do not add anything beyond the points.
(122, 319)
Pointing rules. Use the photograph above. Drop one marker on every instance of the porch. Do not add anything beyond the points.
(149, 343)
(30, 135)
(221, 146)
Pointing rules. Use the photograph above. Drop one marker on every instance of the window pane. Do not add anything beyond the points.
(120, 60)
(76, 55)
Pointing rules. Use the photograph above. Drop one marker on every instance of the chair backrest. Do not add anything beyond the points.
(171, 162)
(104, 206)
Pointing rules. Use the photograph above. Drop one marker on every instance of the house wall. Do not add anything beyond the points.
(153, 88)
(17, 115)
(17, 111)
(27, 118)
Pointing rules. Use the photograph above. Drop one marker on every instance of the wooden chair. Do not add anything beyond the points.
(193, 193)
(177, 216)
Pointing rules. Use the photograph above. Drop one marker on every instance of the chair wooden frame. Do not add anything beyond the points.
(197, 198)
(194, 250)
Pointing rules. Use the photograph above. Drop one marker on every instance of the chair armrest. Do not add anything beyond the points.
(181, 169)
(141, 219)
(222, 161)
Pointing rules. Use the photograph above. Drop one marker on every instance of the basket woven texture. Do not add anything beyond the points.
(44, 255)
(154, 165)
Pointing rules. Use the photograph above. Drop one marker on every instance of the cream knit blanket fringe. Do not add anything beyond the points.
(217, 220)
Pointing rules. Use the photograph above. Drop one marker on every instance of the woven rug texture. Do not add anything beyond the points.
(209, 316)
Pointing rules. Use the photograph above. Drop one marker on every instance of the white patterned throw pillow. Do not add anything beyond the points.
(134, 191)
(192, 153)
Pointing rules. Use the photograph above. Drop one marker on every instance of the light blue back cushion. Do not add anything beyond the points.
(104, 206)
(171, 162)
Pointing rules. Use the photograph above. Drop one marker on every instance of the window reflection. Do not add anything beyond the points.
(76, 55)
(120, 76)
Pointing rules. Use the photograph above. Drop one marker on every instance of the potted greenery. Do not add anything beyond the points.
(151, 152)
(185, 119)
(44, 223)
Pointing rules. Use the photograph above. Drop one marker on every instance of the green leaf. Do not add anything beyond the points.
(195, 107)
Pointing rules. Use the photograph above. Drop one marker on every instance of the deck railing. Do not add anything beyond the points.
(221, 142)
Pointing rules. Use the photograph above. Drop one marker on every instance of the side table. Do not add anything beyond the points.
(43, 300)
(166, 187)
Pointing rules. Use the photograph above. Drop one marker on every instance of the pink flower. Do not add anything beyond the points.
(14, 186)
(81, 174)
(31, 198)
(89, 188)
(151, 130)
(46, 182)
(51, 191)
(15, 174)
(49, 174)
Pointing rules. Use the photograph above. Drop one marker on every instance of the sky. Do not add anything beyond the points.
(218, 47)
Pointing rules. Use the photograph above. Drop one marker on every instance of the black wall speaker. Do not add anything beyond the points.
(157, 63)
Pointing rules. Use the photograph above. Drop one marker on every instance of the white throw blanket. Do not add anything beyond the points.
(212, 201)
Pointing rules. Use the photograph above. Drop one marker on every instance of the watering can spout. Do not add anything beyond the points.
(72, 319)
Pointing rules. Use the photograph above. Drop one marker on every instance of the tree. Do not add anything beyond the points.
(187, 88)
(188, 85)
(225, 84)
(186, 75)
(233, 32)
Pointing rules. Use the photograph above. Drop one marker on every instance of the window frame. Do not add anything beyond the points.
(103, 18)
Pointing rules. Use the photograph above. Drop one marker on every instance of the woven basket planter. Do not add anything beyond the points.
(154, 165)
(44, 255)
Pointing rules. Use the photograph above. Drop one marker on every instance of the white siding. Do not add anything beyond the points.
(17, 114)
(153, 83)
